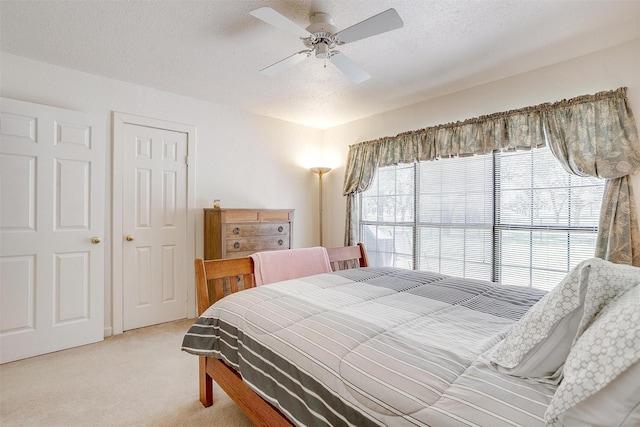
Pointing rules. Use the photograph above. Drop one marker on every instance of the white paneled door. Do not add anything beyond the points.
(154, 226)
(52, 183)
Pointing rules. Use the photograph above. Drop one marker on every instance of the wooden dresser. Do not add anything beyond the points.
(233, 233)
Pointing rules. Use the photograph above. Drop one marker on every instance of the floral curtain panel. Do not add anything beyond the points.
(591, 135)
(597, 136)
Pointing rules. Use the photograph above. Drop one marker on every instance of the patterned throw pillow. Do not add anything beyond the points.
(606, 357)
(537, 346)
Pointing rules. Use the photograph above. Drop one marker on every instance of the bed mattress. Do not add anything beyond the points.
(375, 347)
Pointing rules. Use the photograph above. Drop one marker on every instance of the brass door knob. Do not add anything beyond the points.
(95, 240)
(129, 237)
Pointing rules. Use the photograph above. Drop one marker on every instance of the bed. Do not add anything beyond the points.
(370, 347)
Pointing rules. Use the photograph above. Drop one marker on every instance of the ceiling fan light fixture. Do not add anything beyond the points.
(321, 37)
(322, 50)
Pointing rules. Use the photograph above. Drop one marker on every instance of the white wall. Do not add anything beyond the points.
(245, 160)
(604, 70)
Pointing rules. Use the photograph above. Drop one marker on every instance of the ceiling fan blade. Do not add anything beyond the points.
(348, 67)
(272, 17)
(286, 63)
(378, 24)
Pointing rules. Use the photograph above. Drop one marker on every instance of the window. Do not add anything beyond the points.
(456, 216)
(546, 218)
(387, 218)
(516, 218)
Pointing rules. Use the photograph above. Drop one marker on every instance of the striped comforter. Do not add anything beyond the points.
(375, 346)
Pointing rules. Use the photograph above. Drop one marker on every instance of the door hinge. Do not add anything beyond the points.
(186, 160)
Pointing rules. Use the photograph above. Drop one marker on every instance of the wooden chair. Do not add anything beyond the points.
(228, 271)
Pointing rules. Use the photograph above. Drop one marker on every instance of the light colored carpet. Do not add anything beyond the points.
(139, 378)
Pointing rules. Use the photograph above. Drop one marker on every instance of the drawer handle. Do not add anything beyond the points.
(236, 245)
(280, 229)
(280, 242)
(236, 230)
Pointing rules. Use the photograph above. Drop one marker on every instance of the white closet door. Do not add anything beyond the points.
(52, 194)
(155, 226)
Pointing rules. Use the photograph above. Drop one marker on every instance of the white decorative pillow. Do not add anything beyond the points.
(602, 374)
(537, 346)
(616, 404)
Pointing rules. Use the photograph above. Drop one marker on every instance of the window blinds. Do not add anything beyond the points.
(517, 218)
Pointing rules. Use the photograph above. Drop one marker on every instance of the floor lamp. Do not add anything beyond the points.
(320, 171)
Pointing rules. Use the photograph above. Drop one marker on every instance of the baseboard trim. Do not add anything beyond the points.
(108, 332)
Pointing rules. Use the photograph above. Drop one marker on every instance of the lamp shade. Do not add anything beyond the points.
(320, 170)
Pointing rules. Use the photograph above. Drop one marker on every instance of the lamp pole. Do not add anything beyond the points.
(320, 171)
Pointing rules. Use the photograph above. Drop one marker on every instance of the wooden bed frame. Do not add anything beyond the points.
(226, 271)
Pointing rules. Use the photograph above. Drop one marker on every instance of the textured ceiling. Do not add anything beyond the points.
(213, 50)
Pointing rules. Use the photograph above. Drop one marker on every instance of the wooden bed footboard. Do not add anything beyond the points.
(258, 410)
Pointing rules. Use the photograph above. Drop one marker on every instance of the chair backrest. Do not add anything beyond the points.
(215, 276)
(348, 257)
(212, 276)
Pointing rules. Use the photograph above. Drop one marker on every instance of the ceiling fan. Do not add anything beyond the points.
(321, 38)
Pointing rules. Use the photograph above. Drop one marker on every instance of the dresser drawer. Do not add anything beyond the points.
(257, 229)
(257, 215)
(242, 215)
(275, 215)
(256, 244)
